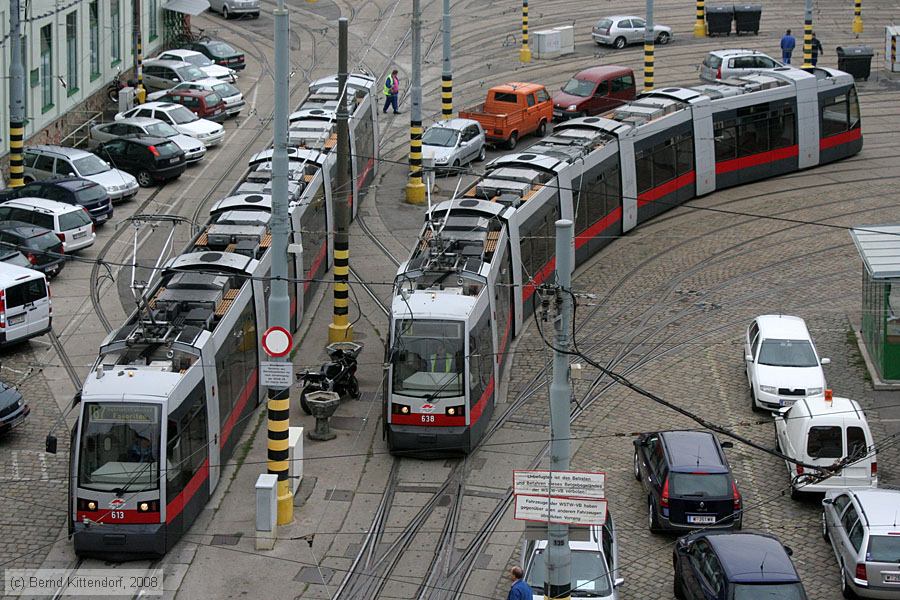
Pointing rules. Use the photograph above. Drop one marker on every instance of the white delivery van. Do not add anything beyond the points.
(25, 306)
(821, 431)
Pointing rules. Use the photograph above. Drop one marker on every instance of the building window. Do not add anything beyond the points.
(94, 18)
(115, 34)
(72, 52)
(46, 67)
(154, 24)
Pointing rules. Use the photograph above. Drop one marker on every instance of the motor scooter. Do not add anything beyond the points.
(336, 375)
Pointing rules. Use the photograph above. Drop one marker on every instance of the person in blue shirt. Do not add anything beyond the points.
(788, 43)
(519, 590)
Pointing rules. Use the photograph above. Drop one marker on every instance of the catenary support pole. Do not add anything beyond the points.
(447, 70)
(807, 37)
(340, 329)
(16, 99)
(700, 23)
(525, 52)
(279, 402)
(559, 556)
(857, 17)
(415, 188)
(649, 43)
(140, 94)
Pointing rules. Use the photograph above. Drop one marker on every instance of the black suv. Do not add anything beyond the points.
(220, 53)
(147, 157)
(40, 246)
(71, 190)
(687, 480)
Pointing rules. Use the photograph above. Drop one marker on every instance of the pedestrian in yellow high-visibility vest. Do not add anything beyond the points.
(391, 91)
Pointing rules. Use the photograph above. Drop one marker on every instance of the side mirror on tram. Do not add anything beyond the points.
(76, 399)
(50, 444)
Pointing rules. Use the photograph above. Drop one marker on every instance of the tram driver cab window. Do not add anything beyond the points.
(428, 358)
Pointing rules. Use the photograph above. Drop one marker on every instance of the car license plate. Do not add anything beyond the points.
(173, 161)
(701, 519)
(892, 577)
(80, 235)
(17, 320)
(557, 113)
(785, 402)
(102, 218)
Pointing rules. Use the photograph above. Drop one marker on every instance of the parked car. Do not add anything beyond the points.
(221, 53)
(511, 111)
(25, 312)
(722, 64)
(621, 30)
(42, 249)
(235, 7)
(593, 91)
(165, 74)
(713, 565)
(179, 117)
(13, 409)
(864, 533)
(781, 362)
(11, 256)
(194, 150)
(71, 190)
(202, 62)
(687, 480)
(204, 104)
(234, 100)
(71, 224)
(150, 158)
(50, 162)
(454, 143)
(821, 431)
(595, 564)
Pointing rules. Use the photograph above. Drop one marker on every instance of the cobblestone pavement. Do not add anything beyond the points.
(32, 482)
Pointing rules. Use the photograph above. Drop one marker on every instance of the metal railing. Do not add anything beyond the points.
(80, 135)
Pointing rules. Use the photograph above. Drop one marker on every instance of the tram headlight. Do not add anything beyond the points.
(399, 409)
(455, 411)
(148, 506)
(87, 505)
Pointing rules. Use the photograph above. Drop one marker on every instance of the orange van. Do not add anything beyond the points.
(513, 110)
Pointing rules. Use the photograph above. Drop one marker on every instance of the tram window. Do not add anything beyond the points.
(834, 115)
(725, 135)
(853, 105)
(684, 155)
(644, 171)
(236, 362)
(582, 200)
(428, 358)
(753, 138)
(663, 163)
(187, 446)
(781, 130)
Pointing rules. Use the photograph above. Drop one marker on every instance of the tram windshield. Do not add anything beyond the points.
(119, 447)
(428, 358)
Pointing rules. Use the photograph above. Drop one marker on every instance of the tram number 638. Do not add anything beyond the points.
(428, 418)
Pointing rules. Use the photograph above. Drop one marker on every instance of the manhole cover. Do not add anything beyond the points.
(225, 539)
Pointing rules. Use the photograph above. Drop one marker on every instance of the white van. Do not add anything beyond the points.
(821, 431)
(25, 306)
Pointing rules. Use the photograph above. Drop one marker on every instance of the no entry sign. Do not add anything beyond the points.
(277, 342)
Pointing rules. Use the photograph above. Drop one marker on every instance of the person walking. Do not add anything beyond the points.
(788, 43)
(519, 590)
(391, 91)
(816, 49)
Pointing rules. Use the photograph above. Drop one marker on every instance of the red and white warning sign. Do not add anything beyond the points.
(277, 342)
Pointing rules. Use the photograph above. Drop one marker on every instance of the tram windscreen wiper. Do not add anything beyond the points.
(121, 491)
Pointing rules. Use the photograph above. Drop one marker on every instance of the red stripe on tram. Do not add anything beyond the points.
(123, 517)
(842, 138)
(538, 279)
(669, 187)
(478, 408)
(755, 160)
(598, 227)
(174, 508)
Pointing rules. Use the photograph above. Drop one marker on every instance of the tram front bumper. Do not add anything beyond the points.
(116, 542)
(415, 440)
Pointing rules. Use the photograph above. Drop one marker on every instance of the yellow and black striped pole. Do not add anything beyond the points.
(140, 93)
(16, 99)
(525, 52)
(415, 187)
(857, 17)
(807, 38)
(447, 68)
(649, 43)
(893, 51)
(16, 160)
(700, 23)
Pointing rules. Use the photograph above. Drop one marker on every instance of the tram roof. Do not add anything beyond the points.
(213, 260)
(123, 383)
(436, 304)
(238, 201)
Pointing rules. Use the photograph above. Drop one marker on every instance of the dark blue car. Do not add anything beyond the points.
(734, 566)
(71, 190)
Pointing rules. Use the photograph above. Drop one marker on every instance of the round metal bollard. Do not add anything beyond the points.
(322, 405)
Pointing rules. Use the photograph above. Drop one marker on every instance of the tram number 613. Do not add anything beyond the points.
(428, 418)
(116, 514)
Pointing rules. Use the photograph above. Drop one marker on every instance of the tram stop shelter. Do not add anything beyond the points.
(879, 248)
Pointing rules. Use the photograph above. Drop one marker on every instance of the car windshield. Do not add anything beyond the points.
(768, 591)
(90, 165)
(699, 484)
(428, 359)
(181, 115)
(161, 130)
(198, 60)
(225, 90)
(90, 193)
(190, 73)
(579, 87)
(787, 353)
(440, 136)
(590, 577)
(119, 447)
(884, 548)
(221, 49)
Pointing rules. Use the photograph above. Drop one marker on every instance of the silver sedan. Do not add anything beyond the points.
(453, 143)
(194, 150)
(620, 30)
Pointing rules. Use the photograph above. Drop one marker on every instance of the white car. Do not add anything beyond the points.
(782, 364)
(71, 223)
(453, 143)
(194, 150)
(233, 98)
(722, 64)
(202, 62)
(179, 117)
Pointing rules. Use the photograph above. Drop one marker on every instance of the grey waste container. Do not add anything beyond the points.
(746, 18)
(855, 60)
(718, 19)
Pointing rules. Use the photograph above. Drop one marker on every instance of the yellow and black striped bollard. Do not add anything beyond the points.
(700, 23)
(415, 188)
(525, 52)
(16, 161)
(807, 45)
(648, 66)
(447, 96)
(857, 17)
(340, 329)
(278, 407)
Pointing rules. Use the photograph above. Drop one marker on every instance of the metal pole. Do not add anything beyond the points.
(649, 42)
(340, 330)
(700, 24)
(16, 99)
(415, 188)
(525, 52)
(807, 37)
(857, 17)
(279, 402)
(559, 556)
(447, 72)
(140, 93)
